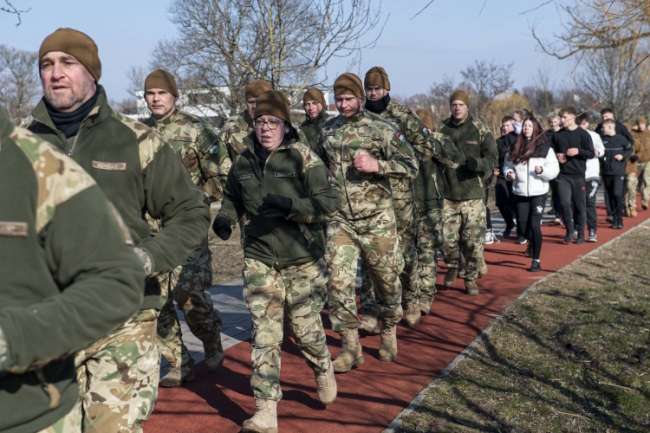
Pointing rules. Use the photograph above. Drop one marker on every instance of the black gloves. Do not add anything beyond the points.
(221, 227)
(471, 163)
(275, 206)
(634, 158)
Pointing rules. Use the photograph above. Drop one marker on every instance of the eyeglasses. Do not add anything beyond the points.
(272, 124)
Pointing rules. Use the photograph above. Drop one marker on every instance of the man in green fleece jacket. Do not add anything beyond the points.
(140, 174)
(464, 191)
(65, 284)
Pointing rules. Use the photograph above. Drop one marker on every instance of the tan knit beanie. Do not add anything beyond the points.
(77, 44)
(256, 88)
(426, 117)
(314, 94)
(273, 103)
(349, 84)
(377, 76)
(460, 95)
(161, 79)
(641, 119)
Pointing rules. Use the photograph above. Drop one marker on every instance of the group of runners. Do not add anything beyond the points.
(110, 219)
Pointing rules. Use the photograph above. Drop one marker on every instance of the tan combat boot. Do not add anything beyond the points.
(388, 349)
(351, 354)
(326, 386)
(412, 314)
(265, 419)
(450, 278)
(213, 355)
(470, 287)
(425, 304)
(175, 377)
(482, 268)
(370, 324)
(632, 212)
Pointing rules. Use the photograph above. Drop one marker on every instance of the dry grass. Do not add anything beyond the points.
(572, 356)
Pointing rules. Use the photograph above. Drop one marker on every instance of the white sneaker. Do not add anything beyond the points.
(489, 237)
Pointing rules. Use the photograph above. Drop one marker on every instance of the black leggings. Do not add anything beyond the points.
(529, 217)
(614, 190)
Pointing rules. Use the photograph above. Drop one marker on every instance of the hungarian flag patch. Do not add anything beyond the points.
(214, 148)
(425, 130)
(400, 136)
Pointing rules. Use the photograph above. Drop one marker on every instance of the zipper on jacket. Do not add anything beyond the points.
(266, 164)
(56, 131)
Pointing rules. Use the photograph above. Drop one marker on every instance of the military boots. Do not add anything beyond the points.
(213, 355)
(450, 278)
(470, 287)
(412, 314)
(326, 385)
(388, 349)
(351, 353)
(425, 305)
(265, 419)
(175, 376)
(370, 324)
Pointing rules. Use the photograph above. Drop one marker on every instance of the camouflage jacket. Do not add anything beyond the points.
(233, 133)
(203, 154)
(472, 139)
(139, 174)
(69, 276)
(311, 128)
(428, 187)
(292, 170)
(365, 194)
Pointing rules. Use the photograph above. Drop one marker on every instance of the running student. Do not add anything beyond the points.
(617, 149)
(530, 165)
(554, 125)
(592, 176)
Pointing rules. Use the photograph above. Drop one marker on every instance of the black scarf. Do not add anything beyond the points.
(262, 154)
(69, 123)
(379, 105)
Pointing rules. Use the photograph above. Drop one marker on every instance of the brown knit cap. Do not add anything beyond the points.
(273, 103)
(77, 44)
(314, 94)
(426, 117)
(641, 119)
(377, 76)
(348, 84)
(161, 79)
(460, 95)
(256, 87)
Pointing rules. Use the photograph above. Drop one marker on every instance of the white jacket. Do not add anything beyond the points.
(527, 183)
(593, 165)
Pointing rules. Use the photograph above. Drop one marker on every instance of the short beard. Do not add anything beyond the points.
(74, 99)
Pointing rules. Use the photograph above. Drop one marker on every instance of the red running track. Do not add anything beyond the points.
(370, 396)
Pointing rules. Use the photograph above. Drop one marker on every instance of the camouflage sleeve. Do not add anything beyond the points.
(320, 150)
(323, 197)
(445, 151)
(215, 165)
(232, 205)
(418, 135)
(400, 157)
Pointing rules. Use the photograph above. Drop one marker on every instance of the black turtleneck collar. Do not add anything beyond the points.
(69, 123)
(379, 105)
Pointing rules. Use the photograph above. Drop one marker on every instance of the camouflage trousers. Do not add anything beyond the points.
(118, 377)
(429, 238)
(295, 294)
(405, 223)
(375, 238)
(629, 191)
(189, 286)
(464, 231)
(70, 423)
(643, 168)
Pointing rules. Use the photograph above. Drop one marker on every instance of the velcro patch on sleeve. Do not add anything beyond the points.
(246, 176)
(285, 174)
(471, 142)
(109, 166)
(185, 139)
(13, 229)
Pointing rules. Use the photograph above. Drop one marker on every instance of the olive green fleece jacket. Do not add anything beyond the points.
(138, 173)
(292, 170)
(67, 277)
(472, 139)
(311, 128)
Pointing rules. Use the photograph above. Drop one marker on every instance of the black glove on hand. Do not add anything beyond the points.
(471, 163)
(221, 227)
(275, 206)
(634, 158)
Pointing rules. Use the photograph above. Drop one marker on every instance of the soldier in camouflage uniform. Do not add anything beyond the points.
(282, 186)
(316, 111)
(464, 191)
(65, 284)
(140, 174)
(428, 197)
(208, 163)
(378, 101)
(363, 152)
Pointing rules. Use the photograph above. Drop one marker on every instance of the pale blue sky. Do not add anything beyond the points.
(126, 32)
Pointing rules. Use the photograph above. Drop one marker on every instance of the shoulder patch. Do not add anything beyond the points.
(59, 177)
(147, 139)
(401, 137)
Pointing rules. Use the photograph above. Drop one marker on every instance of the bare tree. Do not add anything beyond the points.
(11, 9)
(541, 94)
(19, 83)
(225, 44)
(439, 94)
(485, 81)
